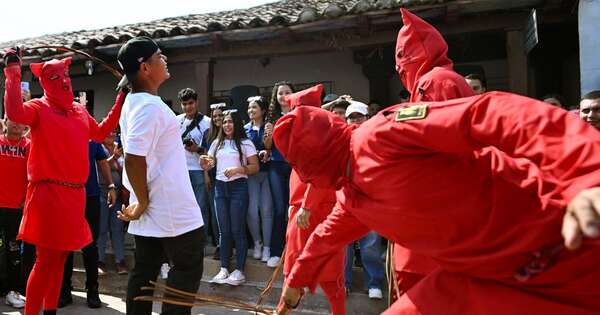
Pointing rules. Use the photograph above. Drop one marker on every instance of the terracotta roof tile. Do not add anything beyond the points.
(280, 13)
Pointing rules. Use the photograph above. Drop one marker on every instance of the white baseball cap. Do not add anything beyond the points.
(357, 107)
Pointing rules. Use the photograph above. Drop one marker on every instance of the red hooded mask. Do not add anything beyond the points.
(316, 143)
(308, 97)
(419, 48)
(55, 80)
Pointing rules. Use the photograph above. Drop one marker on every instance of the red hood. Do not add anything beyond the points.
(54, 78)
(307, 97)
(419, 49)
(316, 143)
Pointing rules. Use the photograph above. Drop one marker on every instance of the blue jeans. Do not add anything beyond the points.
(231, 199)
(260, 198)
(197, 179)
(214, 224)
(109, 223)
(370, 253)
(279, 179)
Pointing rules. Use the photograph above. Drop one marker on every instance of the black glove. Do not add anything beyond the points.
(12, 56)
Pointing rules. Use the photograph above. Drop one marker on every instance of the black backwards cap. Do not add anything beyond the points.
(132, 54)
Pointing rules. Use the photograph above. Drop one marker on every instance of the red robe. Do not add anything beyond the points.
(60, 131)
(491, 221)
(320, 202)
(428, 75)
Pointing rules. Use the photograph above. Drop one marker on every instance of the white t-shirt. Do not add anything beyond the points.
(195, 134)
(227, 156)
(149, 128)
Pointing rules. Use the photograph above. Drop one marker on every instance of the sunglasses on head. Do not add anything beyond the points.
(229, 111)
(218, 105)
(254, 98)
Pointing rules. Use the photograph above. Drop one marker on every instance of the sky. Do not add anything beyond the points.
(34, 18)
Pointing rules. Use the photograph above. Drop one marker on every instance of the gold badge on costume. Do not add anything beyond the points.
(412, 113)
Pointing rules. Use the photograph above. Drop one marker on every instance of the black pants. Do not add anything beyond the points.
(18, 261)
(186, 254)
(90, 252)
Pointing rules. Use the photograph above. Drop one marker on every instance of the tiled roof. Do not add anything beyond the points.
(280, 13)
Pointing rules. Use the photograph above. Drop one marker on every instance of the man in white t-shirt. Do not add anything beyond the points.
(192, 126)
(163, 213)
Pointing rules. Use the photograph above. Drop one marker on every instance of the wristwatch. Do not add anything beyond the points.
(112, 186)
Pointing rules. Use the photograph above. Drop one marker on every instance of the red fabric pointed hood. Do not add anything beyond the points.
(308, 97)
(55, 80)
(316, 143)
(419, 48)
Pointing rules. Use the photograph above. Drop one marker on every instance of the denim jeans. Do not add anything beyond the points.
(260, 198)
(214, 224)
(231, 199)
(279, 179)
(370, 253)
(109, 223)
(197, 179)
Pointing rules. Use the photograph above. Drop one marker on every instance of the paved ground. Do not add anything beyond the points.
(112, 306)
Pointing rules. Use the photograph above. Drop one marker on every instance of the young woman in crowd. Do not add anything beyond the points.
(258, 184)
(216, 121)
(279, 171)
(109, 223)
(234, 156)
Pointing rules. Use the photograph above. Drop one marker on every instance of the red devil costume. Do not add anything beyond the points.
(320, 203)
(427, 73)
(491, 222)
(57, 171)
(421, 61)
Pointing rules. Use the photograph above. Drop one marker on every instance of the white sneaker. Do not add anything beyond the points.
(257, 250)
(164, 271)
(375, 294)
(15, 300)
(235, 278)
(273, 262)
(221, 277)
(266, 254)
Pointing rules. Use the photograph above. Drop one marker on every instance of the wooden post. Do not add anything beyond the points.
(203, 70)
(517, 62)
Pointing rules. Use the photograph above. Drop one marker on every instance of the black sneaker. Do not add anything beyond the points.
(65, 299)
(93, 298)
(49, 312)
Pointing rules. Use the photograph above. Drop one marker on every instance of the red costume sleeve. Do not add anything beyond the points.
(99, 131)
(562, 145)
(16, 111)
(336, 232)
(313, 197)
